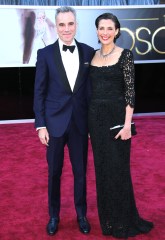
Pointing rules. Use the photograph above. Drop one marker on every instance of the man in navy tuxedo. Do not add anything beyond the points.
(61, 106)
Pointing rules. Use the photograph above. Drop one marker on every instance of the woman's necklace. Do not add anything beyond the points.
(105, 56)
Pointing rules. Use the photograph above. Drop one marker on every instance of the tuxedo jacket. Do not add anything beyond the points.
(54, 101)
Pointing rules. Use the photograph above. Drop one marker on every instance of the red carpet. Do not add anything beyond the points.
(23, 184)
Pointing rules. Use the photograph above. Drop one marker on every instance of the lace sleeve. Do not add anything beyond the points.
(129, 78)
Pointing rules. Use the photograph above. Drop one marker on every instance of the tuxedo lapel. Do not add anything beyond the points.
(79, 78)
(60, 67)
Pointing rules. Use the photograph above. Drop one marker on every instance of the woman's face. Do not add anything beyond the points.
(106, 31)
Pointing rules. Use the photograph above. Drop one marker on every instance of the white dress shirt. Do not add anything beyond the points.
(71, 63)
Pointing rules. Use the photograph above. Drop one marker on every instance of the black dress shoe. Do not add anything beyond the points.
(84, 225)
(52, 226)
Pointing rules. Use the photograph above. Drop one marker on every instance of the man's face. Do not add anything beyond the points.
(66, 27)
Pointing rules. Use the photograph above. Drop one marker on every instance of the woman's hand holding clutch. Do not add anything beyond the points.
(122, 132)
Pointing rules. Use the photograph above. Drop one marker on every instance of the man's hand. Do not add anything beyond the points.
(43, 136)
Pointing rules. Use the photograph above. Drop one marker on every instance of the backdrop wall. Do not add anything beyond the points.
(31, 28)
(16, 91)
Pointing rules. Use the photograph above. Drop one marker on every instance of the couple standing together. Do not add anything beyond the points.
(78, 89)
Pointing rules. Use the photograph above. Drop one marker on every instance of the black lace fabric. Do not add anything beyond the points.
(112, 91)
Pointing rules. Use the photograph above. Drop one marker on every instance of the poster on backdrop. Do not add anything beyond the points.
(26, 29)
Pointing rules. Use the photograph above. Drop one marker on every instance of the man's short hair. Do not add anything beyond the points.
(65, 9)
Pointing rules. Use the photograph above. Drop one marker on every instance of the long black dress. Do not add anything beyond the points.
(112, 91)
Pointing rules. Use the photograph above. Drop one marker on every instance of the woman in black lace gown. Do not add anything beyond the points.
(112, 103)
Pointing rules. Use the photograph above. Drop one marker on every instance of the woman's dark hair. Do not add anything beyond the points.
(111, 17)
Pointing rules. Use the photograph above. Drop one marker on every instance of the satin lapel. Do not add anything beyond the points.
(79, 78)
(60, 67)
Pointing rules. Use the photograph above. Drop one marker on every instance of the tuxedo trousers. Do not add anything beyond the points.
(78, 148)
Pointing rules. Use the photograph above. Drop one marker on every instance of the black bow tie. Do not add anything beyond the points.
(71, 48)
